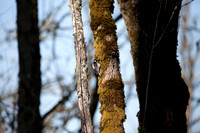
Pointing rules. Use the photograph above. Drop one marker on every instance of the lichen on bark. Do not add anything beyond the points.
(111, 93)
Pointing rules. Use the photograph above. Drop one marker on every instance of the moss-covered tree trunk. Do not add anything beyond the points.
(29, 120)
(111, 93)
(163, 95)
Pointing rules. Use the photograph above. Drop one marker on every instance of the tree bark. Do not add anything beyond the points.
(1, 126)
(29, 119)
(81, 67)
(163, 95)
(111, 93)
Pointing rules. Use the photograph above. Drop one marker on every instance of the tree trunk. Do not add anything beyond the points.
(111, 93)
(163, 95)
(81, 67)
(29, 119)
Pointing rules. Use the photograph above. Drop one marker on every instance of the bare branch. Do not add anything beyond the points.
(81, 66)
(187, 3)
(65, 98)
(118, 18)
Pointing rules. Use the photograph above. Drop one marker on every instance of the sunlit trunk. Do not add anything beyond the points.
(111, 93)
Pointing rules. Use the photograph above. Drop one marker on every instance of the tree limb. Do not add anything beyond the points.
(81, 67)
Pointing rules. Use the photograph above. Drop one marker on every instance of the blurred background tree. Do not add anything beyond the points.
(28, 116)
(58, 96)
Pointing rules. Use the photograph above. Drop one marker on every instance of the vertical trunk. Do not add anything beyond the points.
(29, 119)
(111, 93)
(81, 67)
(163, 95)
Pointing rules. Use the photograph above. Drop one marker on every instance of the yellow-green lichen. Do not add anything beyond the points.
(112, 120)
(111, 94)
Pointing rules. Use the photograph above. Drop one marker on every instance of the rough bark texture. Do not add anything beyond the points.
(81, 67)
(111, 93)
(163, 95)
(29, 119)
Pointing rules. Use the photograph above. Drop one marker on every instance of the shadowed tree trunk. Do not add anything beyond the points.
(111, 93)
(94, 100)
(163, 95)
(29, 119)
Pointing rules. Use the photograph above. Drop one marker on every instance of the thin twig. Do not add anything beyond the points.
(65, 98)
(187, 3)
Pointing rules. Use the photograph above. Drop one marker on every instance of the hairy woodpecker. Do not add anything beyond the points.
(96, 67)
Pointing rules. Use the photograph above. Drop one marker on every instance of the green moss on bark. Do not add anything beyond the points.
(111, 93)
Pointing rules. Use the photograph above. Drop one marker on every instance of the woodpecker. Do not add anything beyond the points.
(96, 67)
